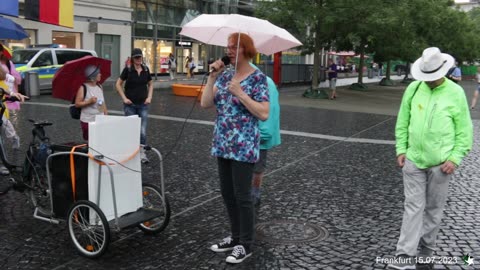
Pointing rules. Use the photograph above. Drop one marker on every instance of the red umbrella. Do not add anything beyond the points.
(71, 76)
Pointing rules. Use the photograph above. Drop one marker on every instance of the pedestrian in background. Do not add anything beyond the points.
(90, 99)
(454, 73)
(475, 93)
(128, 62)
(137, 95)
(241, 100)
(191, 67)
(332, 78)
(433, 134)
(187, 66)
(172, 66)
(269, 138)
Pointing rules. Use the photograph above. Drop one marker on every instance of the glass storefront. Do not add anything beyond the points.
(180, 49)
(158, 24)
(24, 43)
(67, 39)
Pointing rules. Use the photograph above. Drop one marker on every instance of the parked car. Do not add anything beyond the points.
(45, 61)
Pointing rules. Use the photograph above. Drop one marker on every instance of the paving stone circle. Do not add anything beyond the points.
(286, 232)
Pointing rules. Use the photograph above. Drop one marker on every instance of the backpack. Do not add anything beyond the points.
(74, 111)
(450, 71)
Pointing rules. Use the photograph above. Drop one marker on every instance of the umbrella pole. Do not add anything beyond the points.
(236, 56)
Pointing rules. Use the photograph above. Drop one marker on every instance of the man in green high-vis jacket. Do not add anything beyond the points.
(433, 134)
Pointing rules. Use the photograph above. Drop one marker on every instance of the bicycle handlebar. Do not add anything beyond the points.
(10, 98)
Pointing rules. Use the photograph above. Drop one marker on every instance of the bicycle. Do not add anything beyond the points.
(31, 174)
(88, 227)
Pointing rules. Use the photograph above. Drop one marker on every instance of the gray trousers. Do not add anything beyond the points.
(425, 196)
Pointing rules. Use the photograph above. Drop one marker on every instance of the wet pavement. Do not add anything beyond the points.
(332, 196)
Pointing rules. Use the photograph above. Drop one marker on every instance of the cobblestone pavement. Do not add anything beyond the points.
(351, 189)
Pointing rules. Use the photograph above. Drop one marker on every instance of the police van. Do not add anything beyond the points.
(45, 62)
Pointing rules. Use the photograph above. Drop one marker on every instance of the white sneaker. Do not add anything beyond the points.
(3, 170)
(227, 244)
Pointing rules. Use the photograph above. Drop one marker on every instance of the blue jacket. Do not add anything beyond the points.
(270, 128)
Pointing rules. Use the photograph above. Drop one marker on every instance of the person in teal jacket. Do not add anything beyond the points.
(269, 138)
(433, 134)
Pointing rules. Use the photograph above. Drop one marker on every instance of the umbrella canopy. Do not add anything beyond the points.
(214, 29)
(10, 30)
(71, 76)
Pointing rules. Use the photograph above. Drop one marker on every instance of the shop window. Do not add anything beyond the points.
(67, 39)
(24, 43)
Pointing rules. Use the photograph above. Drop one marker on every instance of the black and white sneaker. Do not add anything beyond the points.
(238, 254)
(227, 244)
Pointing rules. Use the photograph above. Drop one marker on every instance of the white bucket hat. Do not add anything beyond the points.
(432, 66)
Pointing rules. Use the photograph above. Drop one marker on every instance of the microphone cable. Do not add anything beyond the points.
(226, 61)
(182, 129)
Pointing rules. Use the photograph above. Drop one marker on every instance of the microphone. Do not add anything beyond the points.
(226, 61)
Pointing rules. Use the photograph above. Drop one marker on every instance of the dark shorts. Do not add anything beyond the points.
(261, 164)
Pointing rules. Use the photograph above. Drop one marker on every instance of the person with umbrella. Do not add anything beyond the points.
(241, 100)
(90, 98)
(138, 93)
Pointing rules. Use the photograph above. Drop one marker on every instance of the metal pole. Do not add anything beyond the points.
(155, 44)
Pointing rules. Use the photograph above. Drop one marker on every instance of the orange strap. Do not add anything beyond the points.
(121, 162)
(72, 169)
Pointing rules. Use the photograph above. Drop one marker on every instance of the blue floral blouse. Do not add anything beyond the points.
(236, 135)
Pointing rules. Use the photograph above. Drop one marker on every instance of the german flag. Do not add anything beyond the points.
(57, 12)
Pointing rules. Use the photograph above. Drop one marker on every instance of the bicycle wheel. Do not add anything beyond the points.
(152, 199)
(88, 229)
(37, 181)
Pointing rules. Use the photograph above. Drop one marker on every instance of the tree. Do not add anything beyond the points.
(305, 19)
(398, 39)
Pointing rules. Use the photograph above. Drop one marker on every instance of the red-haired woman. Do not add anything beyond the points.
(241, 99)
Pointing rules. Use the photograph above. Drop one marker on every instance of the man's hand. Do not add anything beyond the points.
(148, 101)
(401, 160)
(448, 167)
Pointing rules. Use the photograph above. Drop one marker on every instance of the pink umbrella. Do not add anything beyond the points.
(214, 29)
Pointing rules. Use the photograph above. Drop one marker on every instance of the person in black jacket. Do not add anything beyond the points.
(138, 93)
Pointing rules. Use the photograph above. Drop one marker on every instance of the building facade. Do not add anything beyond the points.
(157, 24)
(100, 25)
(113, 27)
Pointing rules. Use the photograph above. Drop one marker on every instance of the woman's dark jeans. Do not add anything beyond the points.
(236, 187)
